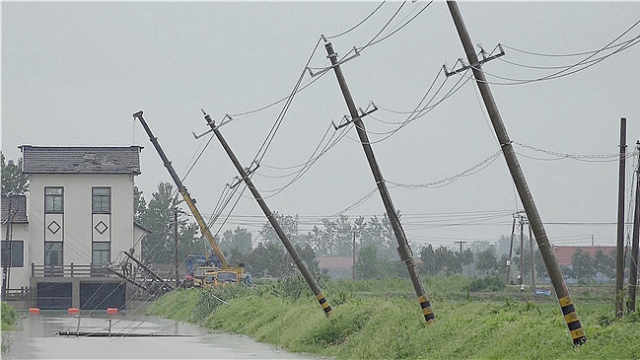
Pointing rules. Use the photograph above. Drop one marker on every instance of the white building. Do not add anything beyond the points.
(76, 218)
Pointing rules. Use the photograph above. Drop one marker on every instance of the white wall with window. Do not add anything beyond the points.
(94, 212)
(20, 269)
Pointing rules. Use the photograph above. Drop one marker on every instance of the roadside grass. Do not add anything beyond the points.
(9, 316)
(381, 319)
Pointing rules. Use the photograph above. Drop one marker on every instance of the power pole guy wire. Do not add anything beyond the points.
(559, 285)
(272, 220)
(403, 246)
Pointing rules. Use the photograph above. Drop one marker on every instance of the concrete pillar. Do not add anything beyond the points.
(75, 293)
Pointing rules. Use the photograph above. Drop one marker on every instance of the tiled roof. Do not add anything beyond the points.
(81, 160)
(18, 205)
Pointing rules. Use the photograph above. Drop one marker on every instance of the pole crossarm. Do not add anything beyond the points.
(476, 64)
(361, 113)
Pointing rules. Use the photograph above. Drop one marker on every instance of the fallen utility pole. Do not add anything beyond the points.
(513, 230)
(403, 246)
(620, 243)
(559, 285)
(153, 274)
(272, 220)
(633, 266)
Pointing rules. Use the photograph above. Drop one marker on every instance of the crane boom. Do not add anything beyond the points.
(191, 203)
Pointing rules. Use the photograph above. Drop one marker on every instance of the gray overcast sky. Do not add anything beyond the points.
(73, 73)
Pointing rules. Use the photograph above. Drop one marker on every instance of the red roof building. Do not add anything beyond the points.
(564, 254)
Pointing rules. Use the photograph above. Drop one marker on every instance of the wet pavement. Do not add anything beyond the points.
(36, 338)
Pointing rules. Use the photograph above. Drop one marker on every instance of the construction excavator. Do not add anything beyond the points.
(217, 271)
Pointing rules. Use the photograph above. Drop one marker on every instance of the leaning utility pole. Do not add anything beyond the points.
(513, 230)
(559, 285)
(521, 253)
(532, 259)
(620, 243)
(403, 246)
(272, 220)
(633, 266)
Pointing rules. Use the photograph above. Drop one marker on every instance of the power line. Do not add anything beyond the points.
(566, 54)
(358, 24)
(564, 72)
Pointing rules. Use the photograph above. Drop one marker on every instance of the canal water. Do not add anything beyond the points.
(36, 338)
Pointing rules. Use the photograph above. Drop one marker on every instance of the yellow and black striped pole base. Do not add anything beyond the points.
(573, 323)
(429, 316)
(325, 305)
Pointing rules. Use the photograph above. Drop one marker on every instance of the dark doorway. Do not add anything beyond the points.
(54, 295)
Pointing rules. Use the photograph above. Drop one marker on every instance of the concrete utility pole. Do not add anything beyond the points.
(620, 243)
(533, 262)
(562, 292)
(633, 266)
(513, 230)
(460, 242)
(353, 260)
(175, 235)
(521, 253)
(272, 220)
(403, 246)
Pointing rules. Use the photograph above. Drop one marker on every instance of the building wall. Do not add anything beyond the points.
(78, 221)
(19, 275)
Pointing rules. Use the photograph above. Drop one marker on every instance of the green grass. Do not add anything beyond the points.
(381, 319)
(9, 316)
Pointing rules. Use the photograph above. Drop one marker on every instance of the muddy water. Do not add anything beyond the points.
(36, 338)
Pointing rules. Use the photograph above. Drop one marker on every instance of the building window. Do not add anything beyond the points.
(52, 253)
(101, 253)
(101, 200)
(53, 200)
(17, 253)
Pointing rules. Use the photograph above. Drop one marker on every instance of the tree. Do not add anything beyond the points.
(14, 181)
(159, 246)
(236, 244)
(605, 264)
(368, 265)
(428, 257)
(583, 265)
(289, 225)
(486, 261)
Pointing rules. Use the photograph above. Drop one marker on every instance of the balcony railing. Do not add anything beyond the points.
(72, 270)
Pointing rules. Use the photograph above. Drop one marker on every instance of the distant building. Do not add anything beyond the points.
(337, 267)
(564, 254)
(72, 225)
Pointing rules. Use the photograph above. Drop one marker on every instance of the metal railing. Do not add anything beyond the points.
(71, 270)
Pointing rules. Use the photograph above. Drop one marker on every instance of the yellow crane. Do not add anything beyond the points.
(211, 275)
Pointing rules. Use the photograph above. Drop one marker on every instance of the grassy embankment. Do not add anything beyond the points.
(381, 319)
